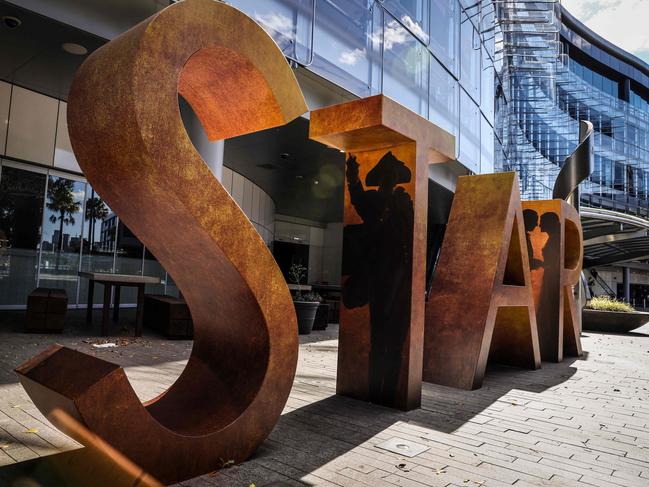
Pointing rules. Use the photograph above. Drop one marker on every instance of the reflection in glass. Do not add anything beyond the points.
(289, 23)
(61, 242)
(129, 259)
(153, 268)
(405, 67)
(487, 154)
(444, 28)
(470, 57)
(345, 51)
(443, 98)
(22, 197)
(413, 14)
(469, 133)
(98, 242)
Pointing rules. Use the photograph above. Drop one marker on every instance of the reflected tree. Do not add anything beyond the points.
(96, 209)
(61, 201)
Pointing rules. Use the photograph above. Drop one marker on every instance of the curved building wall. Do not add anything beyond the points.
(589, 79)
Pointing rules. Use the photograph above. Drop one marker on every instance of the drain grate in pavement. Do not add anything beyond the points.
(402, 447)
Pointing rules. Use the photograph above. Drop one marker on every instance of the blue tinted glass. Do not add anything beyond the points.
(344, 44)
(469, 133)
(289, 22)
(443, 101)
(444, 29)
(405, 67)
(487, 87)
(487, 144)
(470, 57)
(413, 14)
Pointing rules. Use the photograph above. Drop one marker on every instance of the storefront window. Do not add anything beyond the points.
(22, 197)
(98, 242)
(129, 259)
(61, 242)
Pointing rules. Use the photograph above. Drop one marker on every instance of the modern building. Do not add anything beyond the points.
(429, 55)
(509, 79)
(554, 71)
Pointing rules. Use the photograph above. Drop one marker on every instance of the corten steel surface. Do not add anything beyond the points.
(481, 305)
(384, 244)
(555, 251)
(128, 136)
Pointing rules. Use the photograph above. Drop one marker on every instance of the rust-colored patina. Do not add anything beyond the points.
(555, 250)
(384, 244)
(481, 305)
(130, 141)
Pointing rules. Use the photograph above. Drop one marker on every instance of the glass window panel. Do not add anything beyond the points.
(487, 87)
(99, 232)
(443, 101)
(413, 14)
(470, 57)
(444, 30)
(487, 143)
(345, 47)
(128, 259)
(22, 196)
(153, 268)
(405, 67)
(62, 239)
(289, 22)
(469, 133)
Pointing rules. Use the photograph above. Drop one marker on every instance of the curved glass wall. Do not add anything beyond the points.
(552, 78)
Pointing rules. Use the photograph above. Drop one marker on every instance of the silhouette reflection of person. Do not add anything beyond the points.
(544, 250)
(379, 267)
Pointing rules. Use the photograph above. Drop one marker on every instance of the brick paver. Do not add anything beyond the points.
(579, 423)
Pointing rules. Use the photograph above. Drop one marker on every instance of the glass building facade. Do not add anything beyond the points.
(554, 72)
(432, 56)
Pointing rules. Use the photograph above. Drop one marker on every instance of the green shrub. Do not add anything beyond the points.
(605, 303)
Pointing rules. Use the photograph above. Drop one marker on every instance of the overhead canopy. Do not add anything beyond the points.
(611, 237)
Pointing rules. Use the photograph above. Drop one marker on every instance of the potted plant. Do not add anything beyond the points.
(606, 314)
(306, 305)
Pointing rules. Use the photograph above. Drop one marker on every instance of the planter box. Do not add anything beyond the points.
(613, 321)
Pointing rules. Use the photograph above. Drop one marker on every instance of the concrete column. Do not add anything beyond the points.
(211, 152)
(626, 283)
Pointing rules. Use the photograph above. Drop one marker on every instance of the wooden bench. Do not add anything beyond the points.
(46, 309)
(168, 316)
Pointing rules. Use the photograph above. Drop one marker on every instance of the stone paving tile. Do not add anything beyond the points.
(579, 423)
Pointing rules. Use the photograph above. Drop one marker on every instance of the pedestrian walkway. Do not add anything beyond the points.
(581, 422)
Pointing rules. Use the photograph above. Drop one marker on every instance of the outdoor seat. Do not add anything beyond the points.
(46, 309)
(168, 316)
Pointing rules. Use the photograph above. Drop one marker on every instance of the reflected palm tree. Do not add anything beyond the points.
(61, 201)
(96, 209)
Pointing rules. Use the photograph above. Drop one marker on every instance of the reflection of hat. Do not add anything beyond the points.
(389, 169)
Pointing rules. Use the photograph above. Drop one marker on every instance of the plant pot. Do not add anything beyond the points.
(613, 321)
(305, 311)
(321, 317)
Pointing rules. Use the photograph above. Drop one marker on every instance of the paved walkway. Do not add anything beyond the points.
(582, 422)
